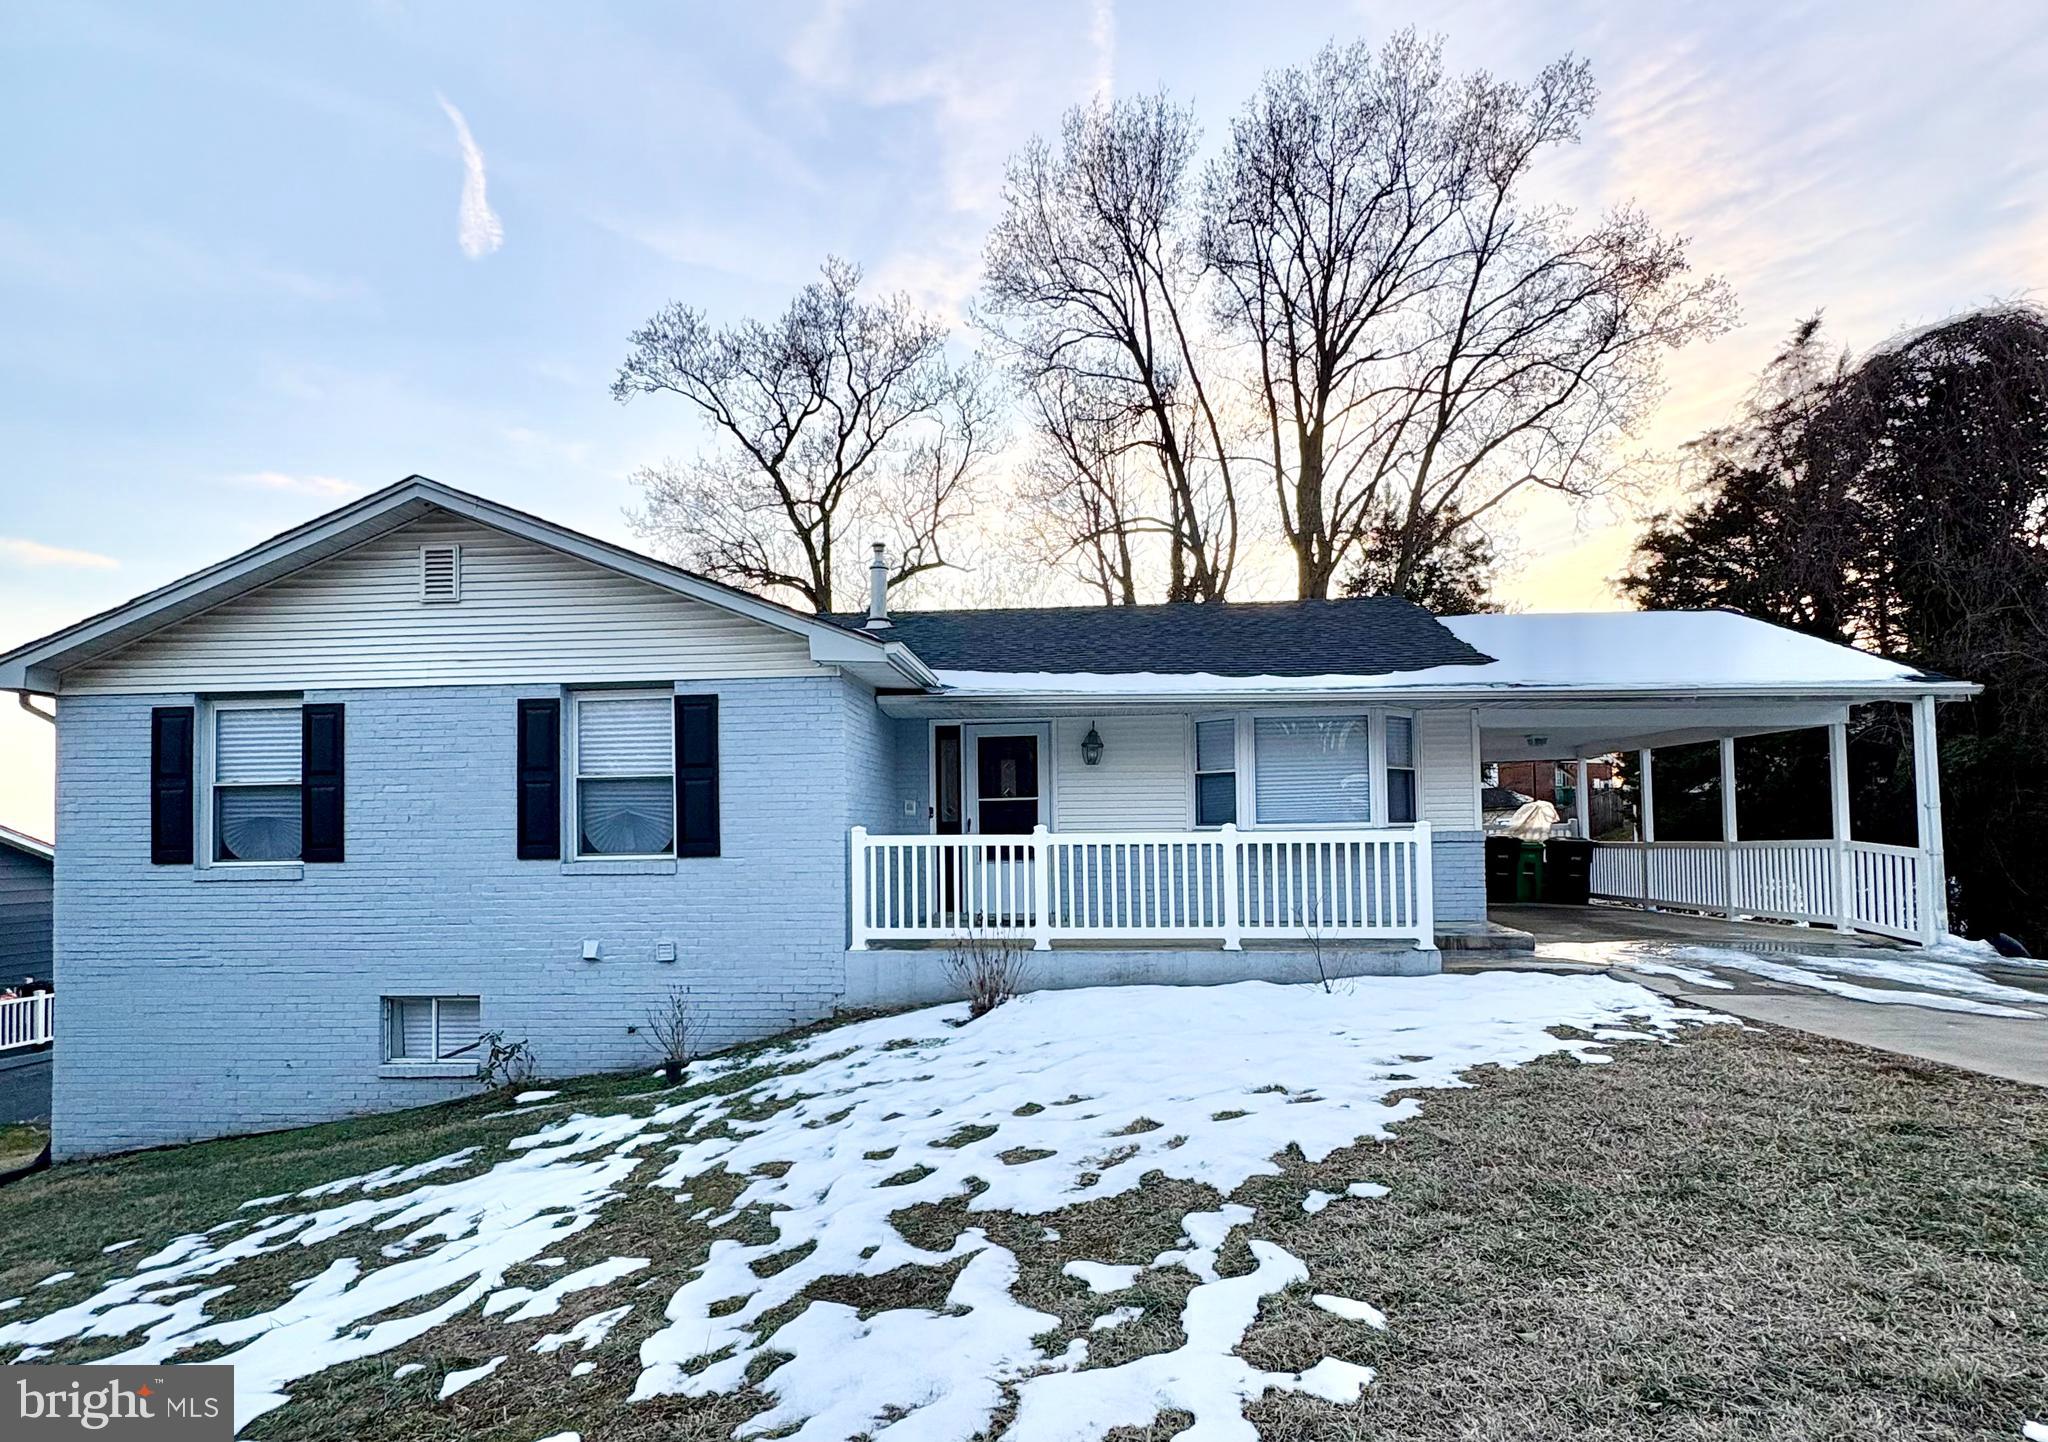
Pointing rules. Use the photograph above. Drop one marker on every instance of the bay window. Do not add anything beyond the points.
(1216, 771)
(1311, 770)
(1400, 769)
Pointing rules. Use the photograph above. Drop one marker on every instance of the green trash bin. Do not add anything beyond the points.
(1529, 871)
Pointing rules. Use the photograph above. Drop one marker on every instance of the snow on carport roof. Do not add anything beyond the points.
(1669, 650)
(1654, 653)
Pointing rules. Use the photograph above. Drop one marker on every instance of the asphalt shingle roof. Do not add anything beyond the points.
(1369, 636)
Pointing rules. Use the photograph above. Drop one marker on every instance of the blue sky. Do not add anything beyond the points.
(235, 289)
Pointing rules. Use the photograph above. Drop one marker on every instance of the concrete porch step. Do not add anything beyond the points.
(1483, 936)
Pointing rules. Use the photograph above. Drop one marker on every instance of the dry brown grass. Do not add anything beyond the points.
(1745, 1234)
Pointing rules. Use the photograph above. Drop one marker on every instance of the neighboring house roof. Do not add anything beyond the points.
(1499, 798)
(34, 667)
(23, 842)
(1377, 635)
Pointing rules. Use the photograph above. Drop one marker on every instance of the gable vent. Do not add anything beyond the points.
(441, 574)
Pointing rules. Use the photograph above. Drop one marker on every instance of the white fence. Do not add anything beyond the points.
(27, 1021)
(1226, 886)
(1858, 885)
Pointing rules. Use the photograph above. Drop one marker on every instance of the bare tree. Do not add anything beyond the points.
(842, 413)
(1427, 342)
(1092, 299)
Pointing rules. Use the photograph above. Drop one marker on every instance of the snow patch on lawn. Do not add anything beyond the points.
(1351, 1310)
(908, 1110)
(857, 1124)
(1100, 1277)
(455, 1381)
(1931, 984)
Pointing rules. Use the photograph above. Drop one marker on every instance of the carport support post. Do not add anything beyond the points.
(1582, 805)
(1927, 819)
(1728, 820)
(1838, 809)
(1646, 821)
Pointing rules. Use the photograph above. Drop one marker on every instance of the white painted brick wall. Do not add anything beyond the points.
(191, 1008)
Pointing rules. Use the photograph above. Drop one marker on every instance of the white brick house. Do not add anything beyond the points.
(428, 767)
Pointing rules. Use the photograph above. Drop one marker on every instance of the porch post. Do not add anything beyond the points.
(1728, 820)
(1041, 888)
(1646, 823)
(1425, 886)
(1233, 927)
(856, 889)
(1927, 821)
(1582, 805)
(1838, 809)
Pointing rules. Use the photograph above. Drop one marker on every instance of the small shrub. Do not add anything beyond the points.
(988, 967)
(505, 1064)
(668, 1028)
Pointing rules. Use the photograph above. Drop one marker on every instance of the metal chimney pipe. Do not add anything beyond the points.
(878, 590)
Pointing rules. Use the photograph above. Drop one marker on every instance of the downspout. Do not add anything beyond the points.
(23, 698)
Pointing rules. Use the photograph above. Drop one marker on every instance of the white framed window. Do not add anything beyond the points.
(253, 781)
(1215, 770)
(1401, 780)
(624, 745)
(1311, 770)
(432, 1028)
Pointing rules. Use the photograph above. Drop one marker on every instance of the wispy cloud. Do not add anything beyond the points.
(1102, 40)
(330, 487)
(479, 231)
(35, 553)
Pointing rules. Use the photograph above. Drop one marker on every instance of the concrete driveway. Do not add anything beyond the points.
(1988, 1018)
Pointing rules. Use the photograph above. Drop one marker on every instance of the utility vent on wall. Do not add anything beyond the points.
(441, 573)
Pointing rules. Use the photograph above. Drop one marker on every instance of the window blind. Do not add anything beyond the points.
(626, 736)
(1311, 771)
(256, 747)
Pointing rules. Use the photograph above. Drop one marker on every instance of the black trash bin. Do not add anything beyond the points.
(1567, 871)
(1503, 859)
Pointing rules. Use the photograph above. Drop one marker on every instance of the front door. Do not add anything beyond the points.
(1006, 784)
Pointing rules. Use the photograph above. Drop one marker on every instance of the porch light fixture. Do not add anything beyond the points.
(1091, 747)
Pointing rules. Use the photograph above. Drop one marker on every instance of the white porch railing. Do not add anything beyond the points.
(27, 1021)
(1857, 885)
(1226, 886)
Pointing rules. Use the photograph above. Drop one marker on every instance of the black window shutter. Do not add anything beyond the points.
(540, 780)
(696, 776)
(321, 764)
(170, 786)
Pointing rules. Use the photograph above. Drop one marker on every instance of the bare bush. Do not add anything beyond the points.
(668, 1027)
(989, 967)
(505, 1064)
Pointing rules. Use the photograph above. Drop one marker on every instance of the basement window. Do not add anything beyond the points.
(440, 574)
(432, 1028)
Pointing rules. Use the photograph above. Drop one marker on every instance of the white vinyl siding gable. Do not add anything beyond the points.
(526, 614)
(1141, 783)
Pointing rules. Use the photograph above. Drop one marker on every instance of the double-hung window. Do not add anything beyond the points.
(1400, 769)
(432, 1028)
(1311, 770)
(256, 781)
(1216, 771)
(625, 752)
